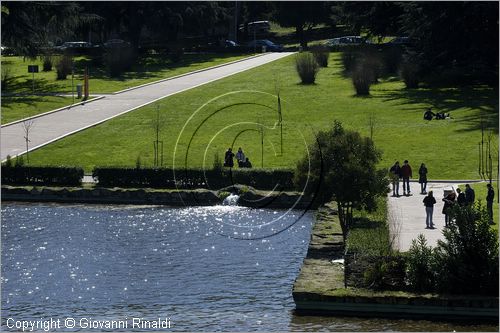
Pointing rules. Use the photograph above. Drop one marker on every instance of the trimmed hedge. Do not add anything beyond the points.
(31, 175)
(193, 178)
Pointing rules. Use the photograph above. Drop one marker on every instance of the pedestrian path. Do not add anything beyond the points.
(406, 215)
(54, 126)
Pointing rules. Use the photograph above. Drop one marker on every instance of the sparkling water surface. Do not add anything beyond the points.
(193, 265)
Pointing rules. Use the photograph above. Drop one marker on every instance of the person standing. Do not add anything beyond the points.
(429, 202)
(470, 196)
(449, 202)
(395, 173)
(461, 197)
(489, 202)
(422, 178)
(240, 157)
(228, 158)
(406, 175)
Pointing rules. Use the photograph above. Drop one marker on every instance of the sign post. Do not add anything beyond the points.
(33, 69)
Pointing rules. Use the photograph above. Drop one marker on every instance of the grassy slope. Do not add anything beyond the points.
(447, 147)
(147, 70)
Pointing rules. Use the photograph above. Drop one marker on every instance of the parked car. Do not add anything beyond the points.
(258, 27)
(116, 43)
(402, 40)
(345, 40)
(76, 47)
(260, 43)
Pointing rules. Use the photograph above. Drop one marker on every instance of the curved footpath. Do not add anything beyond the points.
(54, 126)
(406, 215)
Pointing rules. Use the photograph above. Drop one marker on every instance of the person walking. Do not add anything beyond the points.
(422, 178)
(395, 174)
(461, 197)
(470, 196)
(228, 158)
(489, 202)
(406, 175)
(449, 202)
(429, 202)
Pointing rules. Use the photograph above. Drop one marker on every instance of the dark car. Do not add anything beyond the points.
(406, 41)
(259, 44)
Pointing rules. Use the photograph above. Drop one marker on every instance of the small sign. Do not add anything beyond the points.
(32, 68)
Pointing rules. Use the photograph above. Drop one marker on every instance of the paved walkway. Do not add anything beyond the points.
(56, 125)
(406, 215)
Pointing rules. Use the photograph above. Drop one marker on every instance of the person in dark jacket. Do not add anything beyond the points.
(449, 202)
(489, 202)
(406, 174)
(422, 178)
(395, 174)
(461, 197)
(228, 158)
(470, 196)
(429, 202)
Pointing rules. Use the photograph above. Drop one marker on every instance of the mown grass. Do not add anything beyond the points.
(19, 107)
(148, 69)
(246, 104)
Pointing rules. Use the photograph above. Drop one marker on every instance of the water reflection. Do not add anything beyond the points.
(117, 262)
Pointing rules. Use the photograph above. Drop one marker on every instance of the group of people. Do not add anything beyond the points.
(428, 115)
(243, 162)
(404, 172)
(462, 198)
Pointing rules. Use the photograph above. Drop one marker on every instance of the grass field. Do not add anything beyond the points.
(147, 70)
(246, 103)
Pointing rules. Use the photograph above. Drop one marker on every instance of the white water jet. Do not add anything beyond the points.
(231, 200)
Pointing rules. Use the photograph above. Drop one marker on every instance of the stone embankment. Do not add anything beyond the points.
(249, 197)
(320, 289)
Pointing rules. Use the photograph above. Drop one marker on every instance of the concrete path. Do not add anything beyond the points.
(57, 125)
(406, 215)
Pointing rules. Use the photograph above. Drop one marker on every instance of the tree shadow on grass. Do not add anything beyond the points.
(482, 99)
(11, 102)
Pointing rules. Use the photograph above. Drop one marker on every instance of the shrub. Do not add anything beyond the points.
(321, 54)
(217, 162)
(467, 258)
(410, 73)
(29, 175)
(362, 78)
(8, 161)
(119, 60)
(391, 58)
(307, 67)
(349, 58)
(64, 67)
(47, 63)
(420, 265)
(176, 55)
(6, 77)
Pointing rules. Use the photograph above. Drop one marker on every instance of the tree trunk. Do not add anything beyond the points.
(299, 30)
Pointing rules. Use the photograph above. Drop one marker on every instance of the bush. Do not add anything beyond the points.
(47, 63)
(176, 55)
(349, 58)
(29, 175)
(307, 67)
(362, 78)
(410, 74)
(193, 178)
(6, 77)
(321, 54)
(420, 265)
(391, 58)
(64, 67)
(119, 60)
(467, 259)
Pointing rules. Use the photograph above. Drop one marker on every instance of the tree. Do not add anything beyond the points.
(301, 15)
(342, 167)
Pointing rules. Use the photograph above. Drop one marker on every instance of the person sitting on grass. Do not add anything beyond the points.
(428, 115)
(247, 163)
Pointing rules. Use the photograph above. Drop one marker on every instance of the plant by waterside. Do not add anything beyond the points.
(307, 67)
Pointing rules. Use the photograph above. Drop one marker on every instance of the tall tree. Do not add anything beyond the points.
(301, 15)
(342, 167)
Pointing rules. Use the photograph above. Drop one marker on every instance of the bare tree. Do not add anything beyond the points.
(158, 123)
(27, 126)
(371, 124)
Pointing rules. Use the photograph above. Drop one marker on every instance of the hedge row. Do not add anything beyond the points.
(193, 178)
(31, 175)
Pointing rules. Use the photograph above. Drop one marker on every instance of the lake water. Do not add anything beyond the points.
(195, 266)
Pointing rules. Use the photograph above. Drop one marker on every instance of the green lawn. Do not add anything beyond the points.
(19, 107)
(148, 69)
(448, 147)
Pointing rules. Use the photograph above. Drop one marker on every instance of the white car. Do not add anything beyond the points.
(345, 40)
